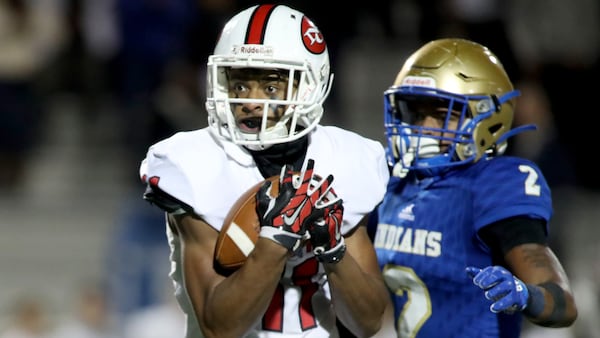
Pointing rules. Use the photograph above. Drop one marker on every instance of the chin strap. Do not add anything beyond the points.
(399, 169)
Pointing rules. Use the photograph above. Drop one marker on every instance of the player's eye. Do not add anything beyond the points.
(238, 89)
(271, 90)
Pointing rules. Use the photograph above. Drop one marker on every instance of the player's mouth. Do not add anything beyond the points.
(249, 124)
(252, 124)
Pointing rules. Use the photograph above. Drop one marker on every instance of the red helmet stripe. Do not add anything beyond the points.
(258, 24)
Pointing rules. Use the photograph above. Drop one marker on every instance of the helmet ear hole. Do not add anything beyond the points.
(495, 128)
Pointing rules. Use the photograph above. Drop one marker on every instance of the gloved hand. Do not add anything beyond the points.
(285, 218)
(508, 293)
(325, 235)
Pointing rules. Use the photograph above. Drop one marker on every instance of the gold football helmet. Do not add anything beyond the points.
(465, 81)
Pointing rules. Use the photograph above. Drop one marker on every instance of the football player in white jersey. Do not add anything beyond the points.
(266, 83)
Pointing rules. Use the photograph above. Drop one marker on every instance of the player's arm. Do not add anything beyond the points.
(226, 306)
(358, 290)
(534, 280)
(230, 306)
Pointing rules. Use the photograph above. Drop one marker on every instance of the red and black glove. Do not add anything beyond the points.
(285, 218)
(325, 233)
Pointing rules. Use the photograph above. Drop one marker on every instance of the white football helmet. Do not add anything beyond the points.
(270, 37)
(457, 75)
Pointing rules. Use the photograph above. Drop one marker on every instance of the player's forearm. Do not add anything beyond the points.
(550, 305)
(236, 303)
(359, 298)
(550, 302)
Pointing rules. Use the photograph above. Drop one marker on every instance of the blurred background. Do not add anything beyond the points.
(86, 86)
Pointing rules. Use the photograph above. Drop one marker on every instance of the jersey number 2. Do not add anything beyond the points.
(405, 283)
(531, 186)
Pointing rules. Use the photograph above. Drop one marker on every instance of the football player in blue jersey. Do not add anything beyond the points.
(462, 233)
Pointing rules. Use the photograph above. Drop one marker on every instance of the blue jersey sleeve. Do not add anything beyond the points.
(506, 186)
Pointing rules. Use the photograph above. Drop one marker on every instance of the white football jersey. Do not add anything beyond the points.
(209, 174)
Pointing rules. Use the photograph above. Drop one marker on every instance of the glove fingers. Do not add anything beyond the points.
(508, 293)
(499, 290)
(263, 198)
(325, 186)
(506, 304)
(484, 281)
(306, 177)
(324, 196)
(472, 271)
(320, 189)
(490, 276)
(329, 200)
(286, 181)
(264, 189)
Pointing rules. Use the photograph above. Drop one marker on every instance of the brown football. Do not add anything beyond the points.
(240, 228)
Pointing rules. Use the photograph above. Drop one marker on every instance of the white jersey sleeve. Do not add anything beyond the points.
(198, 170)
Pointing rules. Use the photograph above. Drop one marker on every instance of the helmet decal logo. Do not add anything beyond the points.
(420, 81)
(250, 50)
(312, 37)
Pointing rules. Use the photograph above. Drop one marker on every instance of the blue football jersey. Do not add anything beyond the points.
(426, 234)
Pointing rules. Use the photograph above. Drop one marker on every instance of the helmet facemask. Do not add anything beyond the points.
(301, 104)
(419, 145)
(470, 127)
